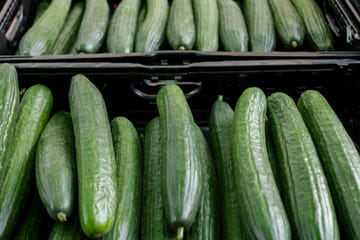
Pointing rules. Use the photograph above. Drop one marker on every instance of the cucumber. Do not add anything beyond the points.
(68, 34)
(141, 16)
(95, 158)
(181, 25)
(207, 25)
(93, 26)
(122, 27)
(232, 28)
(207, 222)
(339, 158)
(41, 8)
(40, 38)
(260, 25)
(153, 220)
(262, 212)
(34, 111)
(272, 154)
(151, 33)
(317, 31)
(182, 187)
(69, 230)
(129, 173)
(305, 191)
(55, 167)
(221, 118)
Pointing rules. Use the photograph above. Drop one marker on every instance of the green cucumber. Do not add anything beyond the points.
(68, 34)
(260, 25)
(207, 25)
(272, 154)
(55, 167)
(339, 158)
(122, 27)
(232, 28)
(153, 220)
(221, 118)
(34, 111)
(40, 38)
(129, 172)
(262, 212)
(141, 16)
(182, 187)
(95, 158)
(41, 8)
(151, 33)
(305, 191)
(93, 26)
(69, 230)
(181, 25)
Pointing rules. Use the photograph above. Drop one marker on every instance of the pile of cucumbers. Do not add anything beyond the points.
(92, 26)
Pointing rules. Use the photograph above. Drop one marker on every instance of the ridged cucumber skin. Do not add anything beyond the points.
(339, 158)
(95, 158)
(182, 187)
(69, 230)
(305, 191)
(122, 27)
(129, 173)
(93, 27)
(34, 111)
(260, 25)
(221, 118)
(232, 28)
(181, 25)
(55, 167)
(68, 34)
(207, 222)
(142, 15)
(9, 104)
(153, 220)
(262, 212)
(206, 24)
(41, 8)
(152, 31)
(289, 26)
(317, 31)
(40, 38)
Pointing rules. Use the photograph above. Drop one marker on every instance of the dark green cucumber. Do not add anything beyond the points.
(95, 158)
(68, 34)
(40, 38)
(221, 118)
(288, 24)
(305, 191)
(182, 187)
(232, 28)
(9, 104)
(55, 167)
(207, 222)
(151, 33)
(34, 111)
(207, 25)
(153, 220)
(181, 25)
(93, 26)
(69, 230)
(339, 157)
(129, 173)
(260, 25)
(122, 27)
(317, 31)
(272, 154)
(41, 8)
(262, 213)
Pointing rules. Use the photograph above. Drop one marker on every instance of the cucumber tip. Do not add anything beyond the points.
(180, 233)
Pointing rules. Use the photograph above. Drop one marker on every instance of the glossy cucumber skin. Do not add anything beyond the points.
(181, 25)
(95, 158)
(55, 167)
(262, 212)
(122, 27)
(129, 165)
(93, 26)
(274, 163)
(69, 230)
(339, 158)
(34, 111)
(182, 187)
(305, 190)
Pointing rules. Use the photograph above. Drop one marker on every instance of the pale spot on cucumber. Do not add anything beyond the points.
(294, 44)
(62, 217)
(182, 48)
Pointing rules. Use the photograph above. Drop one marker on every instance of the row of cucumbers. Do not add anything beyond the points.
(273, 169)
(143, 26)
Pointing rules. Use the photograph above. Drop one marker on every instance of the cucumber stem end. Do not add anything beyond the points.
(180, 233)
